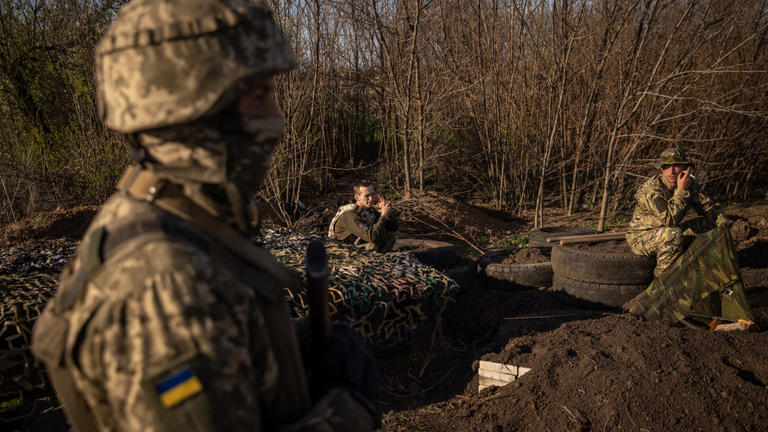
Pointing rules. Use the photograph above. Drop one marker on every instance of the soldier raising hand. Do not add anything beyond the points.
(662, 203)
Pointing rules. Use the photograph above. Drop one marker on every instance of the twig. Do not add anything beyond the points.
(540, 317)
(535, 413)
(431, 354)
(8, 198)
(626, 406)
(410, 375)
(417, 207)
(399, 395)
(449, 231)
(498, 396)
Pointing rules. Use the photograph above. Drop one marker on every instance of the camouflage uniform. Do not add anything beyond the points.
(657, 228)
(357, 225)
(167, 318)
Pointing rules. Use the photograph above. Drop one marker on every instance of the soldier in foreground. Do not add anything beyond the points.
(168, 318)
(368, 221)
(663, 201)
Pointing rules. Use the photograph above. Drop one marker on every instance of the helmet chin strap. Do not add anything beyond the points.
(236, 202)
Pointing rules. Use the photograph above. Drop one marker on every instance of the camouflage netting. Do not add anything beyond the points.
(385, 297)
(28, 276)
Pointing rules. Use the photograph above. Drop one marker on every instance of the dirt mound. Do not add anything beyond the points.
(619, 372)
(59, 223)
(527, 256)
(435, 213)
(611, 246)
(750, 224)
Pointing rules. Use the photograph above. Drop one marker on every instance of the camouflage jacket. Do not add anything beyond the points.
(658, 207)
(364, 224)
(175, 333)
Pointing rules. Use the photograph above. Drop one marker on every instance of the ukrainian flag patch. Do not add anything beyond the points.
(178, 387)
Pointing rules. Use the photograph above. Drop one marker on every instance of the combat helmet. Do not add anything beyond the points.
(169, 62)
(672, 155)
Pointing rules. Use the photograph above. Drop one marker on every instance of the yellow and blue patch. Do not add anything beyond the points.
(178, 387)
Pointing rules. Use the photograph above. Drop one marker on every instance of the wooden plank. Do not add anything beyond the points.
(497, 374)
(585, 236)
(616, 236)
(502, 368)
(490, 381)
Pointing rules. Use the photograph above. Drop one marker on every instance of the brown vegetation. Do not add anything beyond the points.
(520, 103)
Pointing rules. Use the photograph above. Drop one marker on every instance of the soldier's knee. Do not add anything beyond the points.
(673, 236)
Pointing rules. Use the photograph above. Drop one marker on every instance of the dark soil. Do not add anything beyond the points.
(412, 245)
(612, 246)
(59, 223)
(592, 370)
(621, 373)
(530, 255)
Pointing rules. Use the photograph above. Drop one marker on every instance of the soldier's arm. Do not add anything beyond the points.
(369, 233)
(705, 205)
(669, 211)
(170, 351)
(390, 222)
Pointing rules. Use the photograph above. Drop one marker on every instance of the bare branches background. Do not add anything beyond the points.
(523, 104)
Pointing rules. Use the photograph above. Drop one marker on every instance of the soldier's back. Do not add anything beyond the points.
(161, 303)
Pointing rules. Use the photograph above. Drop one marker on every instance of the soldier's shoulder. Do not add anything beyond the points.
(349, 211)
(134, 239)
(652, 186)
(120, 209)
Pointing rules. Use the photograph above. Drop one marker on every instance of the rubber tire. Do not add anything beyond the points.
(593, 266)
(538, 238)
(515, 276)
(591, 294)
(438, 254)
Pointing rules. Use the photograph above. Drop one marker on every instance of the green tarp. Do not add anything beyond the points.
(705, 281)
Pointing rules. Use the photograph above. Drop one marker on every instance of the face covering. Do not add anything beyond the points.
(227, 148)
(223, 158)
(249, 149)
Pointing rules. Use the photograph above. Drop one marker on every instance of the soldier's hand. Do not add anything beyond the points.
(348, 365)
(684, 179)
(383, 206)
(723, 222)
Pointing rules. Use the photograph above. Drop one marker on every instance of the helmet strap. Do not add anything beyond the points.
(138, 152)
(237, 204)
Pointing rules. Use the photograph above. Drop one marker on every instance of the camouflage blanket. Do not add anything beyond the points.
(385, 297)
(705, 281)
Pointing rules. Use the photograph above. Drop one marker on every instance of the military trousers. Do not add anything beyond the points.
(666, 243)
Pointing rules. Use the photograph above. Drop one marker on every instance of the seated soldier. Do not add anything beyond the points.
(657, 225)
(364, 222)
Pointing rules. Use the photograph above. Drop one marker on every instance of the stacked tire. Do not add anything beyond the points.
(522, 276)
(600, 274)
(434, 253)
(513, 276)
